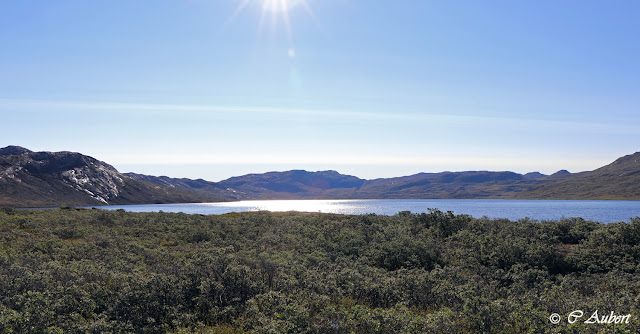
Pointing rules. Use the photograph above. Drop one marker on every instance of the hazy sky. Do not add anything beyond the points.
(216, 88)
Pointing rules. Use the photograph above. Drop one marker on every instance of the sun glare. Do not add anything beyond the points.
(275, 12)
(279, 5)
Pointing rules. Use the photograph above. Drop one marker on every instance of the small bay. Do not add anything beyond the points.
(600, 211)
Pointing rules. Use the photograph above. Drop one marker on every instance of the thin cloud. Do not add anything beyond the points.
(437, 118)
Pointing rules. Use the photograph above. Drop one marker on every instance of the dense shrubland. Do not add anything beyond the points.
(101, 271)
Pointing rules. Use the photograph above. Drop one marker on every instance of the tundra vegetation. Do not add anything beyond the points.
(96, 271)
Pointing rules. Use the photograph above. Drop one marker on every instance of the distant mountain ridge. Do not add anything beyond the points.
(300, 184)
(617, 180)
(294, 184)
(59, 178)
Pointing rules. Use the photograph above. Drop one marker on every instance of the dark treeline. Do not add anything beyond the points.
(95, 271)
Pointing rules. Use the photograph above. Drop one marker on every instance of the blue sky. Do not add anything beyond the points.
(216, 88)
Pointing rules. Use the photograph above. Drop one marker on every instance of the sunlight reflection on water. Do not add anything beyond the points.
(600, 211)
(324, 206)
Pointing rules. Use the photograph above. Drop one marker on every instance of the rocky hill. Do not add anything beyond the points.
(199, 186)
(618, 180)
(66, 178)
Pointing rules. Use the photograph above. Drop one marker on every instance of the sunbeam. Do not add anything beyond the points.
(278, 12)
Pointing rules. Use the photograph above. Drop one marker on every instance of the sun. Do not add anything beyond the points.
(279, 5)
(276, 13)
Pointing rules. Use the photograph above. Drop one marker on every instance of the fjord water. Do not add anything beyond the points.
(600, 211)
